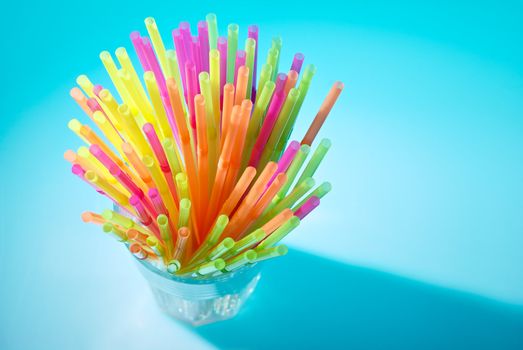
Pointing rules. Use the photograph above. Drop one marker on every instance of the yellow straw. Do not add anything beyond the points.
(156, 39)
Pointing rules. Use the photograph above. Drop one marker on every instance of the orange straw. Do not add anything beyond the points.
(239, 190)
(241, 85)
(322, 114)
(93, 217)
(81, 99)
(203, 159)
(137, 164)
(277, 221)
(292, 78)
(228, 103)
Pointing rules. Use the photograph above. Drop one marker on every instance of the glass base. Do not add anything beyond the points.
(201, 301)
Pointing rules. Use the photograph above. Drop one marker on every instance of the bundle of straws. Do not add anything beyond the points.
(197, 161)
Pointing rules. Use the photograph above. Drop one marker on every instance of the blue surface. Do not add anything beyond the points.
(426, 166)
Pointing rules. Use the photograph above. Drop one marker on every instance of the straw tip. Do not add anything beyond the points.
(250, 255)
(87, 216)
(282, 249)
(173, 266)
(228, 242)
(219, 264)
(326, 143)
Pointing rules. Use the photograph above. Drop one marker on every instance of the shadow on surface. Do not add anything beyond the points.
(306, 302)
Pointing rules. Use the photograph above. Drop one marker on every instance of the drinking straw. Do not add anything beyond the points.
(252, 33)
(197, 55)
(232, 46)
(272, 60)
(307, 207)
(137, 41)
(86, 85)
(192, 90)
(323, 112)
(265, 76)
(277, 221)
(276, 44)
(137, 164)
(166, 234)
(228, 104)
(136, 236)
(211, 240)
(241, 260)
(182, 58)
(117, 219)
(254, 124)
(173, 70)
(222, 48)
(211, 124)
(112, 70)
(211, 267)
(316, 159)
(280, 121)
(294, 168)
(156, 200)
(203, 154)
(182, 185)
(89, 162)
(107, 129)
(115, 232)
(203, 35)
(138, 252)
(111, 109)
(288, 156)
(88, 216)
(303, 87)
(223, 247)
(173, 266)
(212, 24)
(143, 215)
(181, 244)
(273, 252)
(250, 48)
(162, 122)
(297, 62)
(241, 85)
(185, 209)
(292, 79)
(240, 62)
(156, 39)
(156, 246)
(319, 192)
(214, 72)
(248, 241)
(185, 31)
(80, 98)
(239, 190)
(159, 179)
(278, 235)
(133, 131)
(172, 155)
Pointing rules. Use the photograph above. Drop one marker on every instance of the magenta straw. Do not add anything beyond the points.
(297, 62)
(181, 56)
(281, 79)
(103, 158)
(222, 48)
(137, 41)
(144, 217)
(192, 88)
(155, 67)
(97, 88)
(307, 207)
(240, 61)
(154, 141)
(285, 160)
(253, 34)
(94, 105)
(203, 34)
(159, 207)
(195, 41)
(185, 30)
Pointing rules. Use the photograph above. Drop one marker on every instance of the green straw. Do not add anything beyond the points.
(294, 168)
(272, 60)
(211, 267)
(172, 158)
(185, 210)
(156, 246)
(273, 252)
(221, 248)
(182, 185)
(241, 260)
(250, 47)
(303, 87)
(276, 44)
(319, 192)
(211, 239)
(232, 46)
(165, 232)
(212, 26)
(173, 266)
(117, 219)
(119, 235)
(265, 76)
(246, 242)
(315, 160)
(278, 235)
(279, 204)
(173, 70)
(283, 117)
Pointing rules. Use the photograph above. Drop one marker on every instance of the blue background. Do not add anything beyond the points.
(418, 246)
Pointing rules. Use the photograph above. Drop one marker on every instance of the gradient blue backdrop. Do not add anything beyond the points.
(418, 246)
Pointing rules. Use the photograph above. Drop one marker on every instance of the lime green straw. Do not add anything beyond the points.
(210, 241)
(165, 232)
(214, 71)
(182, 185)
(250, 47)
(316, 159)
(172, 155)
(272, 252)
(117, 219)
(173, 266)
(212, 125)
(303, 87)
(113, 231)
(272, 60)
(260, 107)
(225, 245)
(278, 235)
(265, 76)
(246, 242)
(211, 267)
(319, 192)
(294, 168)
(232, 46)
(283, 117)
(276, 44)
(185, 210)
(156, 246)
(241, 260)
(212, 25)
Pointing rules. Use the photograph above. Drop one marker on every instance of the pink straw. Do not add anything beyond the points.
(285, 160)
(155, 67)
(97, 88)
(185, 30)
(181, 56)
(136, 39)
(142, 214)
(307, 207)
(297, 62)
(195, 42)
(192, 88)
(240, 61)
(93, 105)
(154, 196)
(222, 48)
(203, 34)
(253, 34)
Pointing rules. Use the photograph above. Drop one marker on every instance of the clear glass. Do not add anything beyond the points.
(201, 301)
